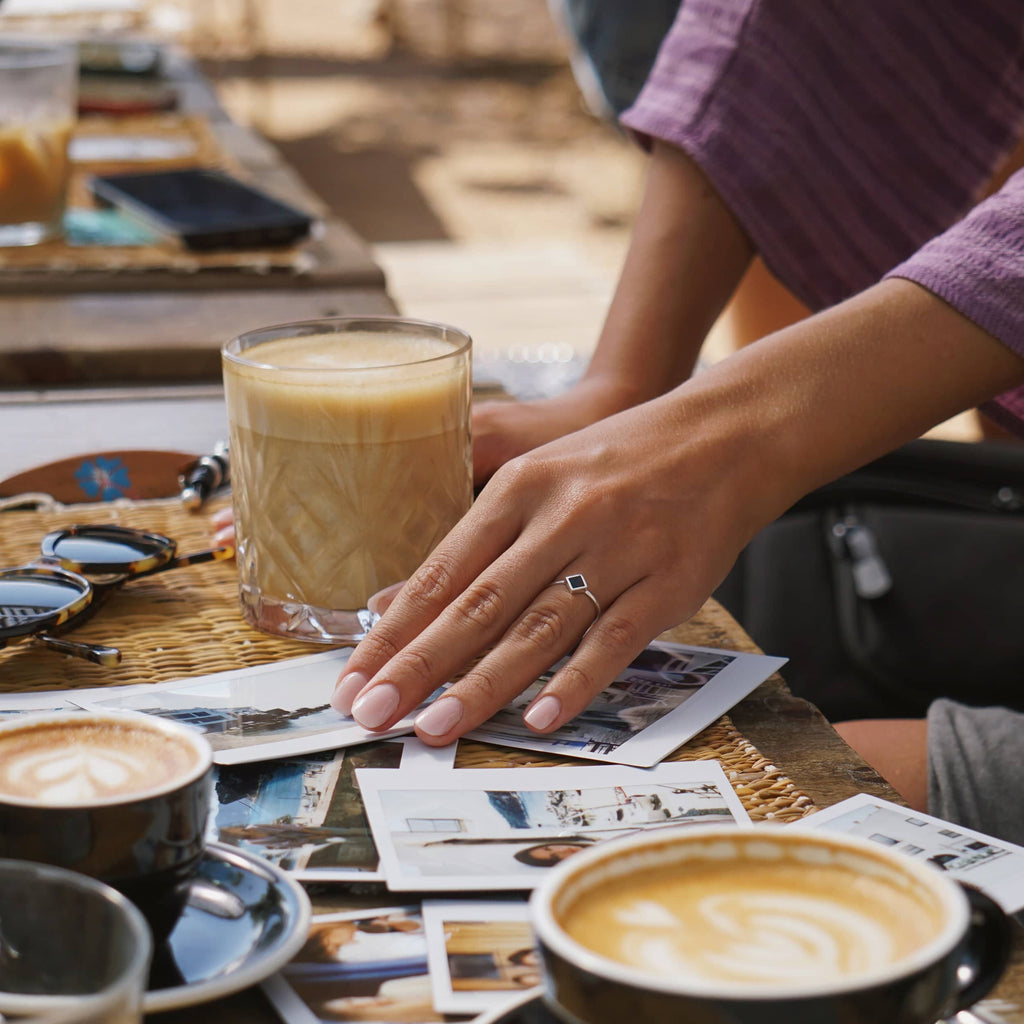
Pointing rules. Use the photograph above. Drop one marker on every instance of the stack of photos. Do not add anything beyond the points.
(305, 813)
(667, 695)
(481, 953)
(309, 790)
(368, 965)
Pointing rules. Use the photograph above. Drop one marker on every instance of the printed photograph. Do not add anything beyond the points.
(481, 953)
(659, 702)
(6, 713)
(995, 867)
(365, 966)
(304, 814)
(257, 713)
(494, 829)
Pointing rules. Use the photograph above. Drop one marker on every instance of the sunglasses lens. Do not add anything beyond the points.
(29, 600)
(99, 548)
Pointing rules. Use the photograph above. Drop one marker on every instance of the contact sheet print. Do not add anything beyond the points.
(474, 830)
(992, 865)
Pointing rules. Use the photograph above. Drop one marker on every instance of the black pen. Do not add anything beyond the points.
(201, 478)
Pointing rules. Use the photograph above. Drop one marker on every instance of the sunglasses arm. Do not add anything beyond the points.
(210, 555)
(98, 654)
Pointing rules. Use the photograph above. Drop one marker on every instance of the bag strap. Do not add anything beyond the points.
(986, 476)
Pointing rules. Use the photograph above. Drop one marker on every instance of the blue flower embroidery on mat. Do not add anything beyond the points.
(105, 479)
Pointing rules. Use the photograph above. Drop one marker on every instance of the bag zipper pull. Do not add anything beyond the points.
(871, 578)
(1008, 499)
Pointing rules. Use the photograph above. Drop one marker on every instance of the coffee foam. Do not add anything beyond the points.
(756, 921)
(85, 762)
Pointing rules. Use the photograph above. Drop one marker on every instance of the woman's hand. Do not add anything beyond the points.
(645, 515)
(652, 506)
(223, 523)
(504, 430)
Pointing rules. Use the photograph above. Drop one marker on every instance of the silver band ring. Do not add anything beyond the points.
(576, 583)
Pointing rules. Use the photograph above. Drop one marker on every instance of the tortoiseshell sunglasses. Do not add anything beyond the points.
(80, 567)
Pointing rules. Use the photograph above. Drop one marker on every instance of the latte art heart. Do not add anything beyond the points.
(80, 762)
(75, 775)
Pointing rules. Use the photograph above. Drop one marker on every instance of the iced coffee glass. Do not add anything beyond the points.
(350, 460)
(38, 82)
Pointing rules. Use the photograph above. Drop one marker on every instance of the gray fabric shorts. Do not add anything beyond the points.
(976, 768)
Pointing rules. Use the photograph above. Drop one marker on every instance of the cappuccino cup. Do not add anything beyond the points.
(719, 925)
(121, 797)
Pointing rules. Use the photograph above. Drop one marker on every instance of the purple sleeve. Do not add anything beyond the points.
(845, 136)
(977, 266)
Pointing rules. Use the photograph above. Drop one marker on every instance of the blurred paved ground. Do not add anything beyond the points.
(452, 136)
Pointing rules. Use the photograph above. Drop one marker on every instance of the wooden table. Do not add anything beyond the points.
(100, 328)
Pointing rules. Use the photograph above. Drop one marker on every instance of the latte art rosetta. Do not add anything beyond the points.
(77, 763)
(756, 937)
(753, 923)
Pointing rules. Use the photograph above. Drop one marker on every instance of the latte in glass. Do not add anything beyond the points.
(350, 461)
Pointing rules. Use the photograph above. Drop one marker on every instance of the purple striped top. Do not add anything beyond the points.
(851, 138)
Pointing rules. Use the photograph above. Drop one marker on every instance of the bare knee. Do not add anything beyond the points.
(897, 748)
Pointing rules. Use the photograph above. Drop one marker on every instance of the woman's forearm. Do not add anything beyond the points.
(842, 387)
(687, 255)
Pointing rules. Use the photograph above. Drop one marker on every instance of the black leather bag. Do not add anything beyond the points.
(896, 584)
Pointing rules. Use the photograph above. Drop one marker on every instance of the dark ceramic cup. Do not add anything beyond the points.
(784, 926)
(119, 796)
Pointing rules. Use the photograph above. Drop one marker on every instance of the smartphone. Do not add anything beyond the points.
(119, 57)
(205, 209)
(122, 96)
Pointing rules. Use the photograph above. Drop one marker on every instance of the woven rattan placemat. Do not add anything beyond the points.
(187, 622)
(766, 792)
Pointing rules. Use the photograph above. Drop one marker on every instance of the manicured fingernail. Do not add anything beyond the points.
(224, 536)
(441, 717)
(347, 690)
(543, 713)
(381, 601)
(376, 706)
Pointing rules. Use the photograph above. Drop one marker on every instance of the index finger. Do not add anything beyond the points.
(475, 542)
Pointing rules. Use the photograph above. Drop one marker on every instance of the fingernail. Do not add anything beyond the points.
(225, 536)
(347, 690)
(381, 601)
(543, 713)
(441, 716)
(223, 517)
(376, 706)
